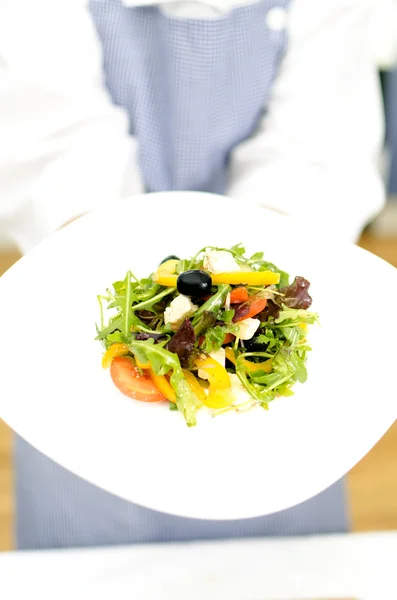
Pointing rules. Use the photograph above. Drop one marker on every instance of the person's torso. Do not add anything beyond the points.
(194, 88)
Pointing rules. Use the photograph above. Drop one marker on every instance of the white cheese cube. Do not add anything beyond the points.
(219, 356)
(247, 328)
(239, 392)
(220, 261)
(180, 308)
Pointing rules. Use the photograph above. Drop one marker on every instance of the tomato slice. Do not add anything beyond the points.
(238, 295)
(256, 305)
(249, 309)
(229, 337)
(129, 381)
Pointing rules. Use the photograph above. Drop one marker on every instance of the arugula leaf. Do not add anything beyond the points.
(227, 316)
(215, 337)
(237, 249)
(292, 335)
(116, 323)
(162, 361)
(256, 257)
(205, 322)
(148, 304)
(116, 337)
(127, 305)
(269, 338)
(213, 304)
(297, 314)
(300, 368)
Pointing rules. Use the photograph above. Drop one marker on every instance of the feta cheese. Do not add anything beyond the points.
(219, 261)
(239, 392)
(180, 308)
(219, 356)
(247, 328)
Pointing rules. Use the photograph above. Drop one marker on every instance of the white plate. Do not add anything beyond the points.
(55, 394)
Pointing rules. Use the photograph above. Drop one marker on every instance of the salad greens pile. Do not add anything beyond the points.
(203, 355)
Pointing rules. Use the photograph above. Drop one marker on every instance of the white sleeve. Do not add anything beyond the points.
(317, 151)
(65, 148)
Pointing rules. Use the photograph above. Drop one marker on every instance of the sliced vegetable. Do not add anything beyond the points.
(252, 367)
(228, 338)
(217, 374)
(168, 267)
(129, 381)
(194, 385)
(112, 352)
(163, 386)
(165, 279)
(247, 277)
(230, 355)
(211, 307)
(235, 278)
(142, 366)
(238, 295)
(249, 366)
(254, 306)
(162, 362)
(219, 398)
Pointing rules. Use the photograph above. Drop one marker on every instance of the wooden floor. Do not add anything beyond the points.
(372, 484)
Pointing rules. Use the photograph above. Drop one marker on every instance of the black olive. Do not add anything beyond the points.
(194, 283)
(253, 345)
(170, 257)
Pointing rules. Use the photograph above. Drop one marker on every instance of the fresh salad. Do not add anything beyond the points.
(220, 330)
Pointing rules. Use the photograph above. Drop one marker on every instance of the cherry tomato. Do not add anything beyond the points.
(130, 382)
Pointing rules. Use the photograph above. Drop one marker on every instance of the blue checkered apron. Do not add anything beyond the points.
(193, 89)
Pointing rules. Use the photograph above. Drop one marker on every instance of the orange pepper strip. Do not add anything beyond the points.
(114, 350)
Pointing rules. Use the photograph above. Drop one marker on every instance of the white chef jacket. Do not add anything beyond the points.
(65, 148)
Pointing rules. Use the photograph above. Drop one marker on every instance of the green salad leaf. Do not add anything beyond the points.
(162, 362)
(215, 337)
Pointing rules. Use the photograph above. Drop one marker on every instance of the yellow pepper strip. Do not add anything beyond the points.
(262, 366)
(194, 385)
(163, 386)
(230, 355)
(250, 366)
(239, 277)
(117, 349)
(142, 365)
(217, 375)
(219, 398)
(168, 266)
(247, 277)
(166, 273)
(165, 280)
